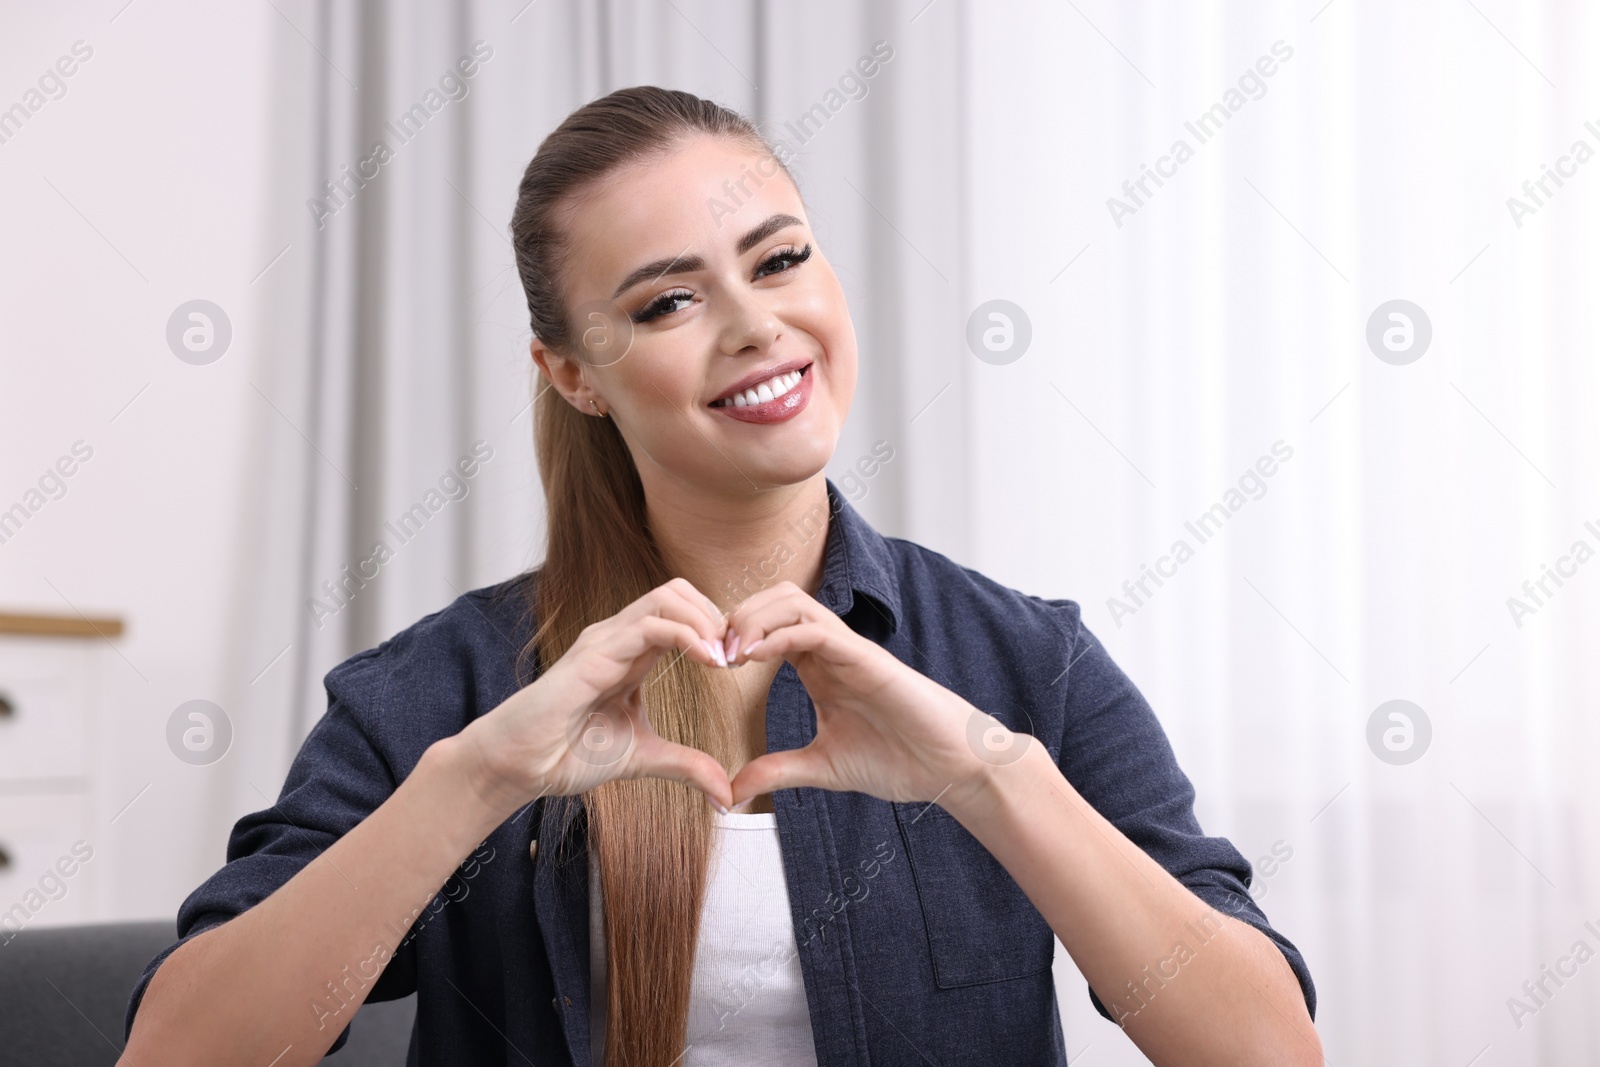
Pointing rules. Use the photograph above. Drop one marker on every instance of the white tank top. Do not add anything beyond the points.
(747, 1002)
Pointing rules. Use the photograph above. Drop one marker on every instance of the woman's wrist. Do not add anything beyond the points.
(457, 779)
(994, 792)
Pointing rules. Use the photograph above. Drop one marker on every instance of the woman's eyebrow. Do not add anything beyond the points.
(682, 263)
(656, 269)
(765, 230)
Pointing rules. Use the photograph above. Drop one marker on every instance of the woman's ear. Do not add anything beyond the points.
(564, 373)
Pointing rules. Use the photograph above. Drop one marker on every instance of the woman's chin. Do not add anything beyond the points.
(789, 462)
(793, 470)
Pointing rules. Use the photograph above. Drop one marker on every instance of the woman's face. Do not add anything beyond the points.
(707, 257)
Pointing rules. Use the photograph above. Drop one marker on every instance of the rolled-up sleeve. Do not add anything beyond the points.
(1115, 753)
(336, 780)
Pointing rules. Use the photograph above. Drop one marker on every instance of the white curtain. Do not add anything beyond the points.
(1177, 336)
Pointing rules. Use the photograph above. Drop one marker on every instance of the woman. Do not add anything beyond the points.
(940, 774)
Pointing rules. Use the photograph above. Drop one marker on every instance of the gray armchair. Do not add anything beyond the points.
(64, 991)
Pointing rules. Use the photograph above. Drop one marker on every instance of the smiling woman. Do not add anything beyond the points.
(878, 710)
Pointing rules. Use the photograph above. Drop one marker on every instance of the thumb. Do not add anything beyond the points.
(680, 763)
(780, 770)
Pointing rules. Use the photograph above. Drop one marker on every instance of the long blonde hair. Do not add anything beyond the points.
(651, 837)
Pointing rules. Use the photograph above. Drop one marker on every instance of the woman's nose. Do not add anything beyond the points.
(750, 323)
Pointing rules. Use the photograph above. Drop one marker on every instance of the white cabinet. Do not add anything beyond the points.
(50, 670)
(50, 875)
(44, 720)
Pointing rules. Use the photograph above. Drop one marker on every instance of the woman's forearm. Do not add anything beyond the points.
(278, 983)
(1187, 983)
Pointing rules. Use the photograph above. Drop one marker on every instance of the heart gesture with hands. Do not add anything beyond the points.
(882, 728)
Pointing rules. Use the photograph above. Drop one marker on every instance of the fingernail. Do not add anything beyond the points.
(733, 649)
(716, 650)
(720, 809)
(753, 646)
(712, 648)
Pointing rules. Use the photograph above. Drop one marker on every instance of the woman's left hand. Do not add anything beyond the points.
(882, 728)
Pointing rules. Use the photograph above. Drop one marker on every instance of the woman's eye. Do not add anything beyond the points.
(664, 304)
(782, 260)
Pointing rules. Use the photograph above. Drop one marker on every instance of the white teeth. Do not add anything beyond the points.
(770, 389)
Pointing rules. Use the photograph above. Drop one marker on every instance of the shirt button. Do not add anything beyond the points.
(553, 1005)
(567, 1001)
(533, 849)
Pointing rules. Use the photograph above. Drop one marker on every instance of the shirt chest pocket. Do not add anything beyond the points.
(981, 926)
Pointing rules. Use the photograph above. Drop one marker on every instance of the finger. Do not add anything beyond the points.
(680, 600)
(751, 623)
(789, 769)
(821, 638)
(659, 758)
(739, 619)
(761, 597)
(687, 590)
(638, 646)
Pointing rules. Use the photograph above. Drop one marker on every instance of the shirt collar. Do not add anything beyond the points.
(856, 560)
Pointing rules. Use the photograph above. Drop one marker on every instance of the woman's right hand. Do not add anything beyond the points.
(582, 722)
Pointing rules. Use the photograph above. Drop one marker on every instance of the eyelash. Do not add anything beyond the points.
(661, 304)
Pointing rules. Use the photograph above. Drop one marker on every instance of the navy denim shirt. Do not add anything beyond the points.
(915, 944)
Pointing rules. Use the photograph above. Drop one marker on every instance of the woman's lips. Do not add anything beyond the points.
(780, 409)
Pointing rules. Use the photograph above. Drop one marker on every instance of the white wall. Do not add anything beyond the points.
(137, 190)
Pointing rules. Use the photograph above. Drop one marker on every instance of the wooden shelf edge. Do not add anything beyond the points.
(59, 625)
